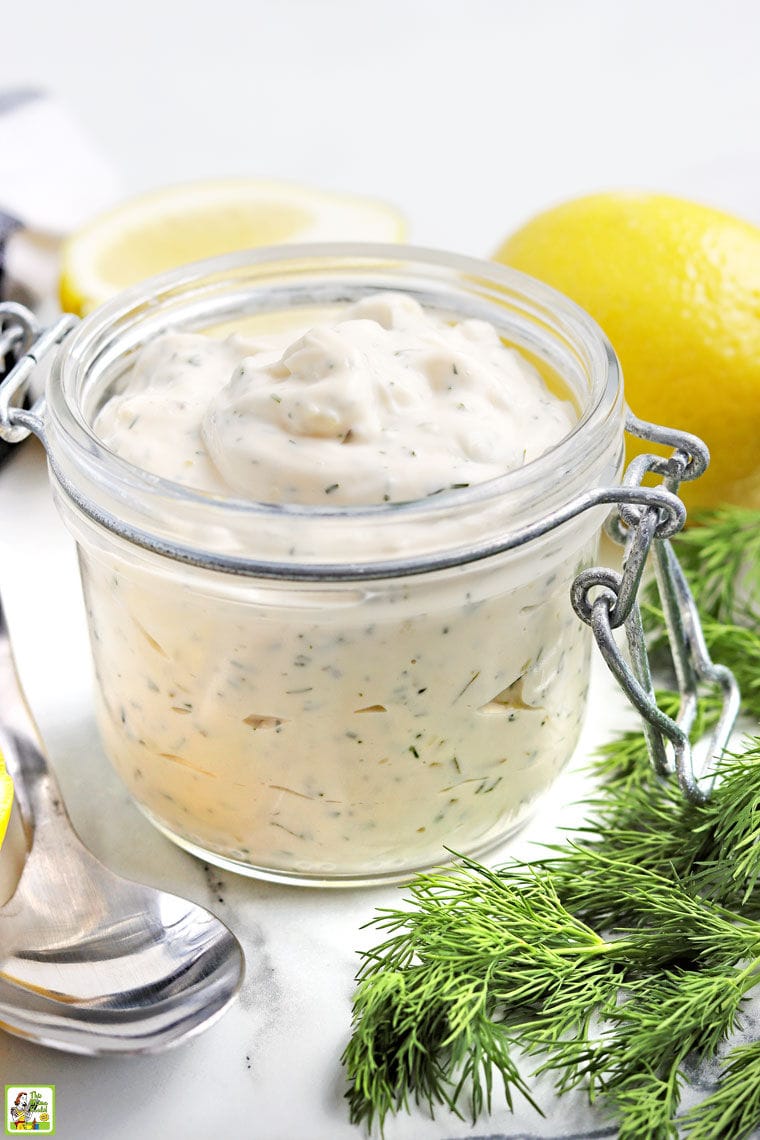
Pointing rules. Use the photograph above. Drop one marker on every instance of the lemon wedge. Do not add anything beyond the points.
(6, 799)
(179, 224)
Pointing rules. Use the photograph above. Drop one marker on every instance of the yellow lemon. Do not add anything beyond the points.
(6, 799)
(179, 224)
(676, 287)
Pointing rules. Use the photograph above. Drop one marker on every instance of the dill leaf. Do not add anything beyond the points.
(720, 554)
(732, 1111)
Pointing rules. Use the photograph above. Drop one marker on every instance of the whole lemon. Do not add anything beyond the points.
(676, 288)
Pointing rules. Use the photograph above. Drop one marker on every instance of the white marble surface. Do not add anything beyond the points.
(470, 115)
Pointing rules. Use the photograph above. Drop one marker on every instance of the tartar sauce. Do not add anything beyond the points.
(308, 731)
(388, 403)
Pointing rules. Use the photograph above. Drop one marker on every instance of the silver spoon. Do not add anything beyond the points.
(91, 962)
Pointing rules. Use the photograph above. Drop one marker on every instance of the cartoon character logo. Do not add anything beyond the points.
(30, 1109)
(22, 1119)
(27, 1112)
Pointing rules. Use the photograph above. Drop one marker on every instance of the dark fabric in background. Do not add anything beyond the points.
(7, 226)
(9, 102)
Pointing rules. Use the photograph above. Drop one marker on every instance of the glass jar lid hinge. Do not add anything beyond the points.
(607, 600)
(23, 344)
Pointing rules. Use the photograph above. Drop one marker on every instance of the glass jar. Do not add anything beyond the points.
(413, 678)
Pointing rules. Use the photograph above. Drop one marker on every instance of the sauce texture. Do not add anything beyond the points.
(389, 403)
(338, 730)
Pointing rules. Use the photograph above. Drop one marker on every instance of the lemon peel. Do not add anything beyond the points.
(676, 287)
(6, 799)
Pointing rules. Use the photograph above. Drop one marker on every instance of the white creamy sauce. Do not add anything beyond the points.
(326, 730)
(389, 403)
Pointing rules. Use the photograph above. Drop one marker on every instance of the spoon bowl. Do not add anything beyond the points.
(90, 962)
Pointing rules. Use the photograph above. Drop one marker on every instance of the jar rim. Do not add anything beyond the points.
(75, 436)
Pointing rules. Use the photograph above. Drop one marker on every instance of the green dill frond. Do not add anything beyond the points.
(479, 954)
(730, 868)
(732, 1111)
(666, 920)
(646, 1103)
(736, 646)
(624, 762)
(720, 555)
(721, 559)
(648, 823)
(638, 1065)
(666, 1018)
(635, 817)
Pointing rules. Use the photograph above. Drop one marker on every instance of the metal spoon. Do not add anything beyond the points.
(91, 962)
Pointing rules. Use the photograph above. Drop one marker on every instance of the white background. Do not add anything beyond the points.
(469, 116)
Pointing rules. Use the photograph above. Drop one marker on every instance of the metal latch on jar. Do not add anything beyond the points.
(644, 521)
(606, 600)
(22, 340)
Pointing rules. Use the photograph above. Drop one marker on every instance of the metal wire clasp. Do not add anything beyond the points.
(606, 600)
(23, 344)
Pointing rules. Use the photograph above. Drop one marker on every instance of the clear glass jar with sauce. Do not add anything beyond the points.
(335, 694)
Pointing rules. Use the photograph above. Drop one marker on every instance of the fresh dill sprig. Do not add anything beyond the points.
(715, 846)
(733, 1110)
(426, 1023)
(737, 646)
(488, 965)
(614, 962)
(730, 867)
(720, 554)
(639, 1064)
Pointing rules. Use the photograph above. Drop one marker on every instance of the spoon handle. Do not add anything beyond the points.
(35, 786)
